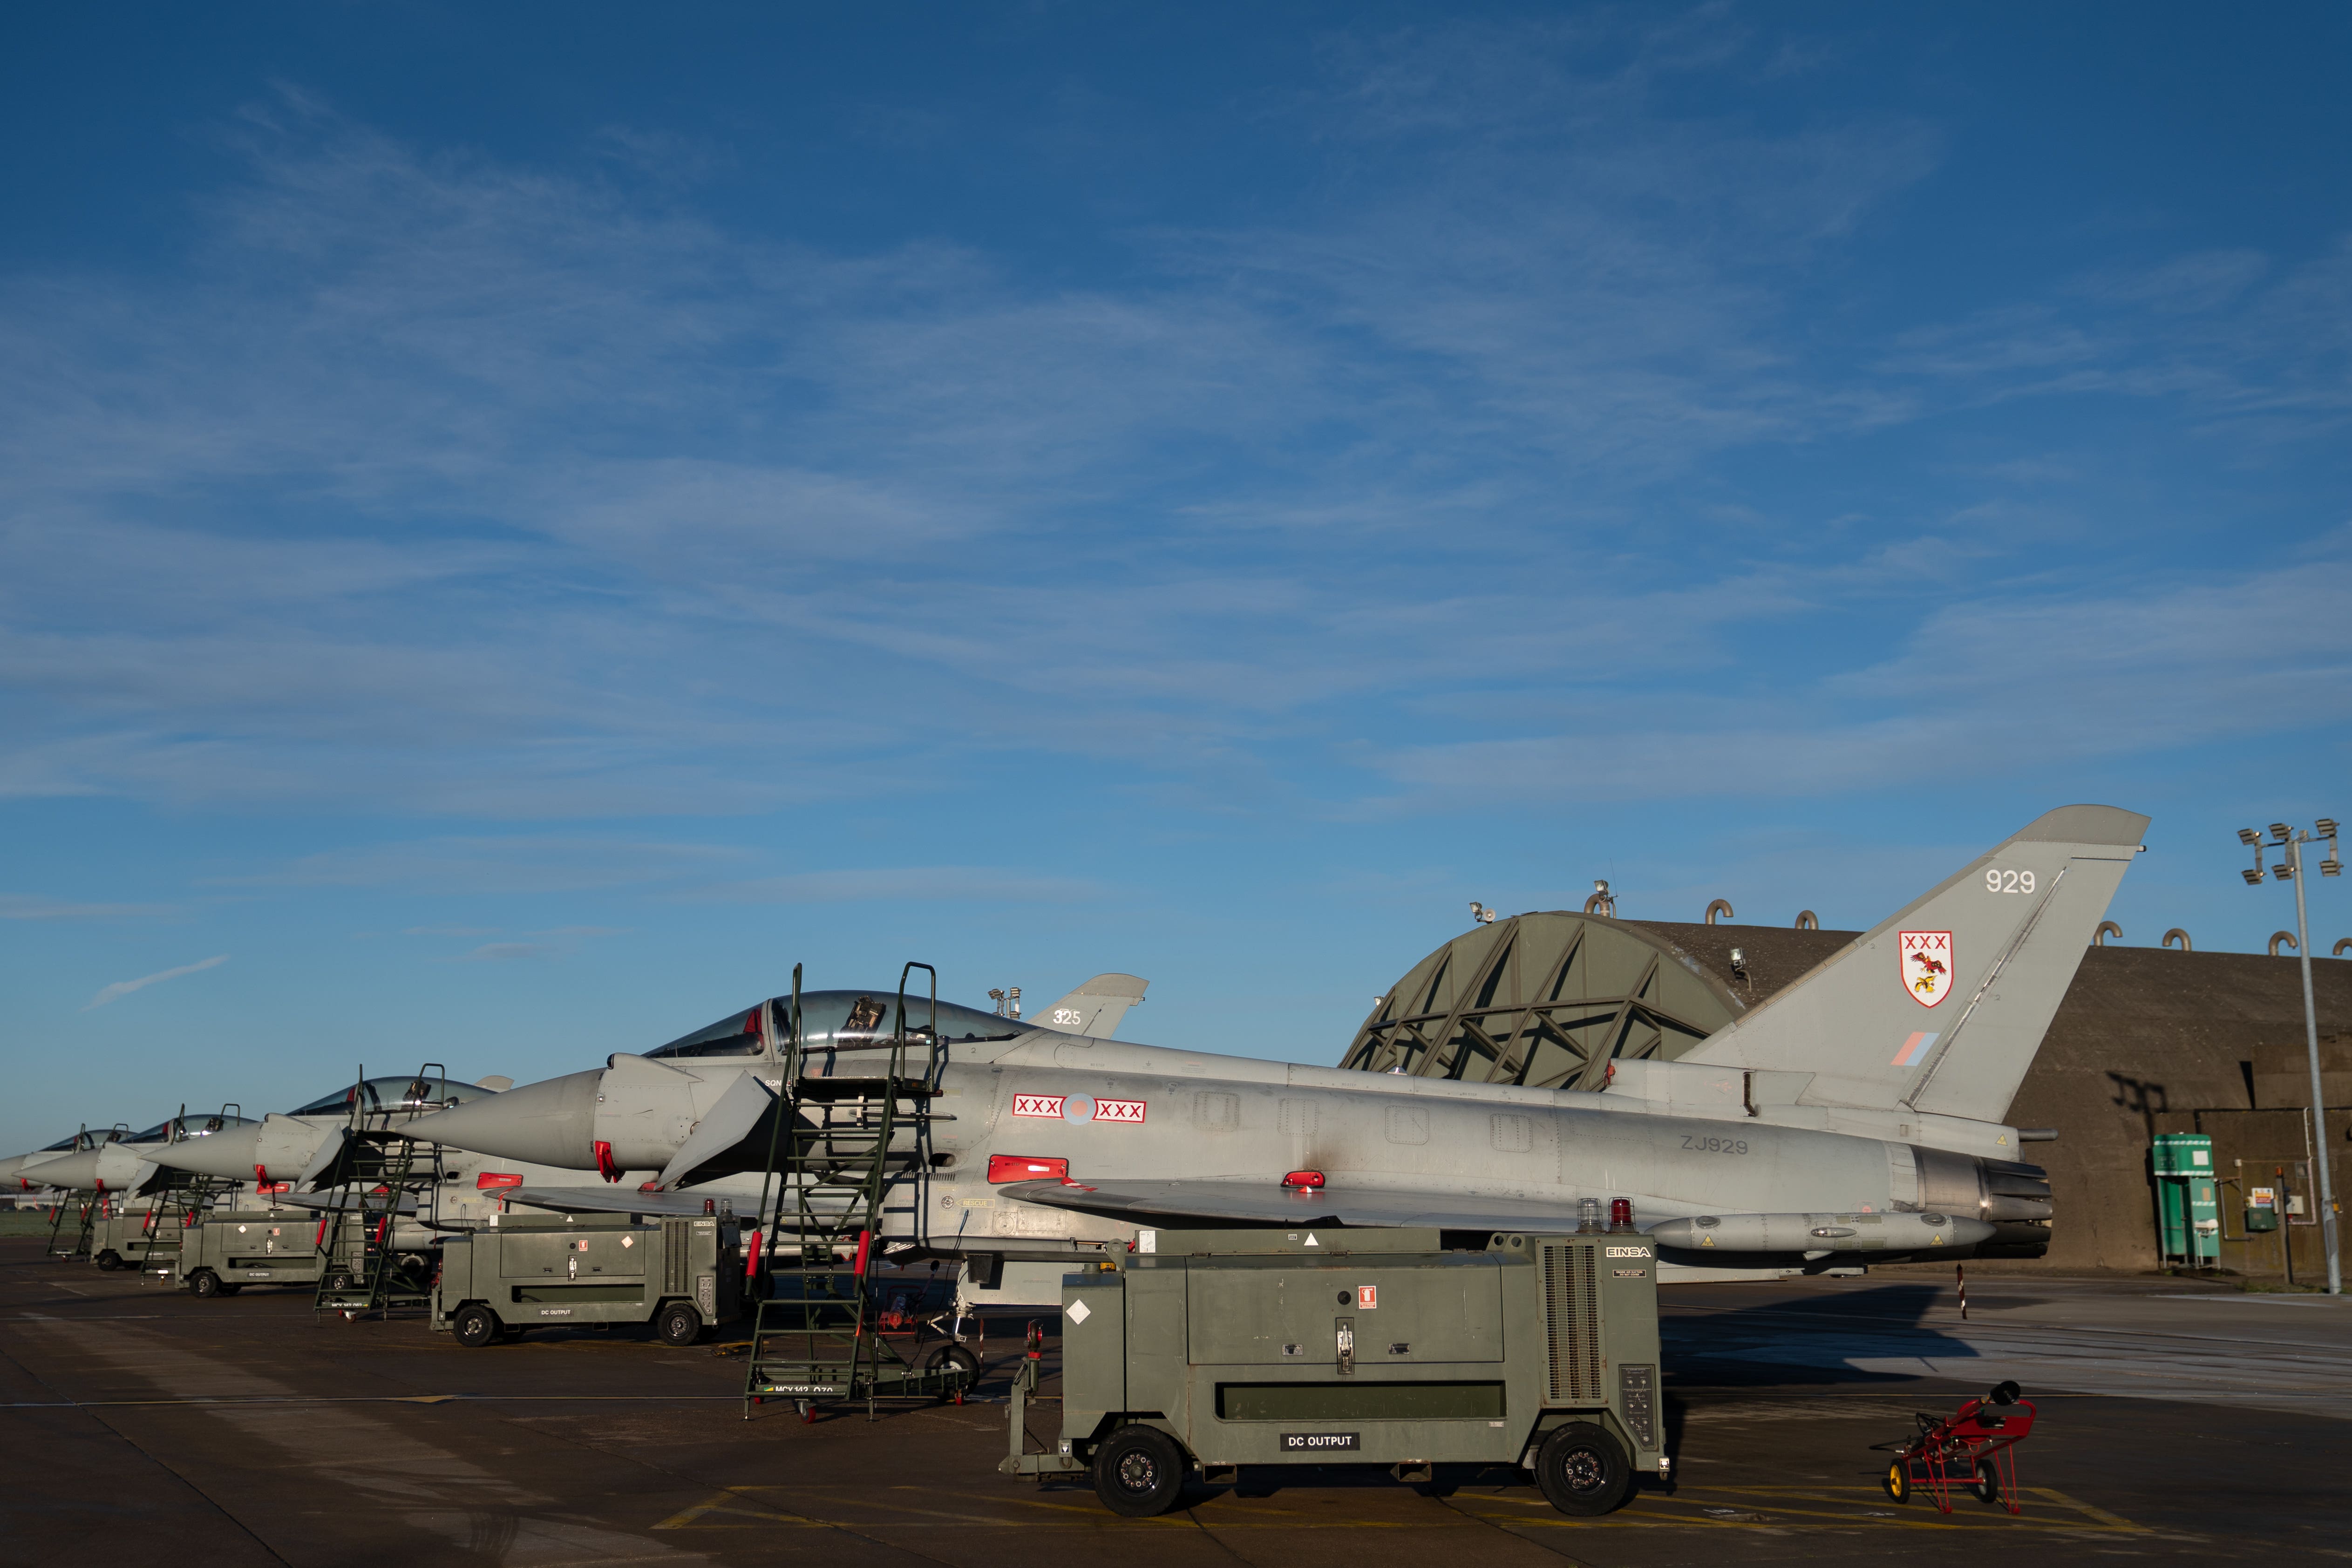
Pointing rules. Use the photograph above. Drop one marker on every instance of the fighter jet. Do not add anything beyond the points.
(87, 1138)
(1857, 1116)
(290, 1155)
(298, 1147)
(127, 1164)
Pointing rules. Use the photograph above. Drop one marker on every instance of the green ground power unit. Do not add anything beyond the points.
(1217, 1349)
(682, 1275)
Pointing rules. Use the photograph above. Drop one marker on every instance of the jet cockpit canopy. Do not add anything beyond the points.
(195, 1126)
(836, 1019)
(406, 1092)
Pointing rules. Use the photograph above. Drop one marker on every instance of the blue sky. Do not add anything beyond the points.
(516, 528)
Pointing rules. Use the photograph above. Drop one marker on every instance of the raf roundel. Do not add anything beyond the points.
(1926, 960)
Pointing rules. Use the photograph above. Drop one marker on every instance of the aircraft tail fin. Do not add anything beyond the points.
(1095, 1009)
(1941, 1007)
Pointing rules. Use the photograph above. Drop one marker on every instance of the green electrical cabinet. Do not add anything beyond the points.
(2188, 1200)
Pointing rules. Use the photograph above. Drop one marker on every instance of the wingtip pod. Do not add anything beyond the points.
(2084, 825)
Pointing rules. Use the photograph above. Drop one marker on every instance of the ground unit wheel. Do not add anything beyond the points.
(1138, 1471)
(108, 1259)
(228, 1290)
(678, 1323)
(204, 1282)
(474, 1326)
(1582, 1471)
(1898, 1481)
(953, 1358)
(339, 1281)
(1986, 1487)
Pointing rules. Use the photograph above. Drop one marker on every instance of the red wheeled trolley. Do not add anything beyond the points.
(1969, 1450)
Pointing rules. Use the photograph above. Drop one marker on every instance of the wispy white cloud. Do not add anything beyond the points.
(962, 883)
(498, 864)
(33, 906)
(472, 489)
(121, 989)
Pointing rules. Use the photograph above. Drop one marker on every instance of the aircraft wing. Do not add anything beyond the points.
(1261, 1203)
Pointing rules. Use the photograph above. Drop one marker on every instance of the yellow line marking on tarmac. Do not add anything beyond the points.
(2087, 1510)
(1660, 1513)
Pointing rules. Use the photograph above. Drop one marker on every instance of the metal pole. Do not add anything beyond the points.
(2318, 1099)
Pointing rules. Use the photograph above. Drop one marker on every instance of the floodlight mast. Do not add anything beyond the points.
(2293, 840)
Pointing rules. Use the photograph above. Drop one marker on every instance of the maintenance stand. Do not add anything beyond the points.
(841, 1142)
(1224, 1348)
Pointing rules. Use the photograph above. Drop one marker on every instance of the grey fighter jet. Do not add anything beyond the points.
(1858, 1114)
(124, 1165)
(292, 1155)
(299, 1145)
(82, 1141)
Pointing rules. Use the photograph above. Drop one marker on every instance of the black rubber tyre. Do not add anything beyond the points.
(230, 1290)
(944, 1357)
(1138, 1472)
(678, 1323)
(204, 1282)
(1582, 1471)
(108, 1259)
(474, 1326)
(1897, 1480)
(340, 1280)
(1986, 1487)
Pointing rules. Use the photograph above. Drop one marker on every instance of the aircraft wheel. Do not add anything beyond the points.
(108, 1259)
(1898, 1481)
(1582, 1471)
(678, 1323)
(204, 1282)
(474, 1326)
(1138, 1471)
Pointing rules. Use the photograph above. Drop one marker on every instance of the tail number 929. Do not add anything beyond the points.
(2009, 882)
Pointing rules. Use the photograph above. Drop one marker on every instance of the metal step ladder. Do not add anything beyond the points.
(179, 1205)
(74, 1247)
(360, 1270)
(842, 1144)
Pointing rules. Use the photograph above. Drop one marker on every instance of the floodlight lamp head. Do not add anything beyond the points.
(2324, 827)
(2282, 872)
(2253, 877)
(2281, 831)
(2248, 836)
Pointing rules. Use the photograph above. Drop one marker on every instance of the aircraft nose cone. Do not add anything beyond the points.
(230, 1153)
(551, 1122)
(73, 1171)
